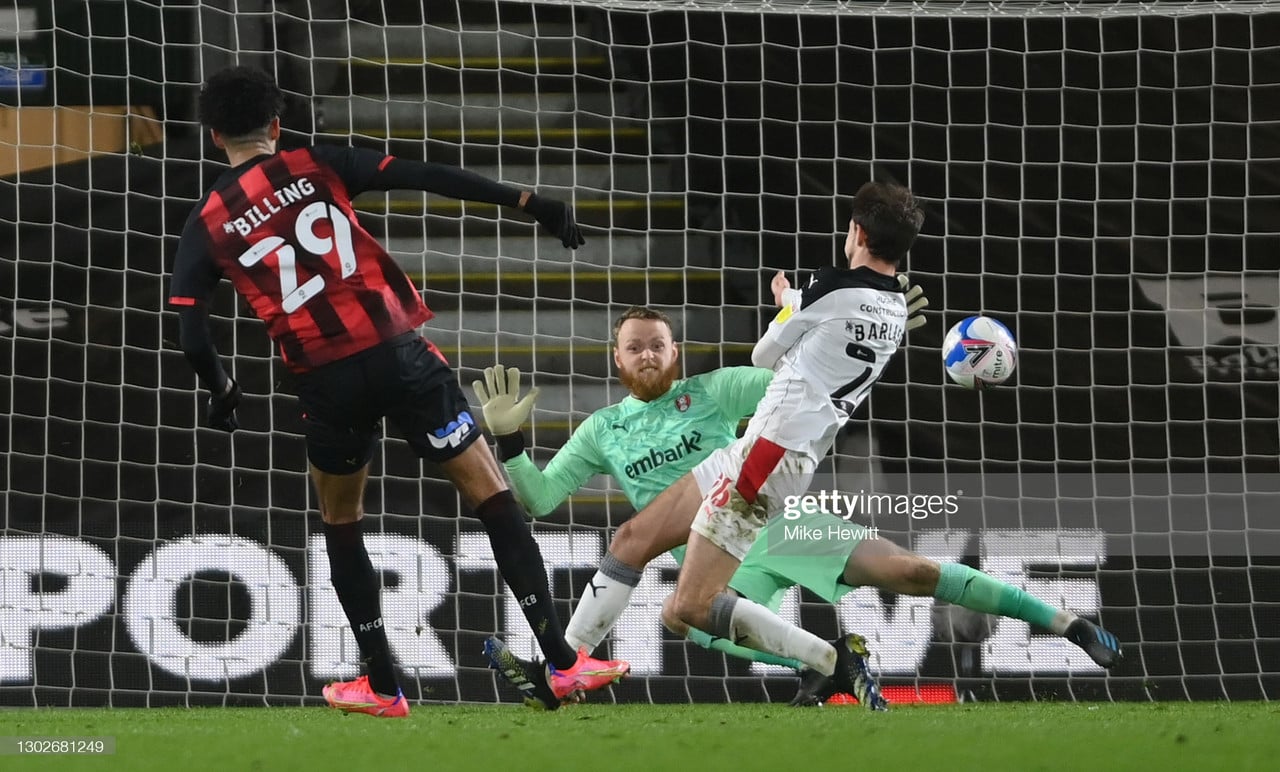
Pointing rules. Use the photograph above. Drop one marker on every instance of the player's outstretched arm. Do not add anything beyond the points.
(540, 490)
(363, 169)
(452, 181)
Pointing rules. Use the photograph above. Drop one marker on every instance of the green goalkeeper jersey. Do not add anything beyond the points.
(644, 446)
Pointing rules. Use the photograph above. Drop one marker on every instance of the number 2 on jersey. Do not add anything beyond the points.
(292, 296)
(862, 383)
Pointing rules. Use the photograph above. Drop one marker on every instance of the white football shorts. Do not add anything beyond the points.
(772, 473)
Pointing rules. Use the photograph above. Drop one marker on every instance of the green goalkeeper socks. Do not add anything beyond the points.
(964, 586)
(741, 652)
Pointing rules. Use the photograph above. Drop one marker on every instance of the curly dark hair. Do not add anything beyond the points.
(890, 216)
(240, 101)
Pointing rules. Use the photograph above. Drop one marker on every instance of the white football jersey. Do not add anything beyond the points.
(827, 347)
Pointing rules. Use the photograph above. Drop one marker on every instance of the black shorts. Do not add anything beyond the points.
(405, 380)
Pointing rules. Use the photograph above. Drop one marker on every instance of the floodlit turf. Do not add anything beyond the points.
(987, 737)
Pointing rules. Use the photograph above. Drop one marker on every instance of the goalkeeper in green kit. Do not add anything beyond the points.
(652, 438)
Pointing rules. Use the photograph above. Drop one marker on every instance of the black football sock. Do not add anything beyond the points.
(360, 593)
(520, 562)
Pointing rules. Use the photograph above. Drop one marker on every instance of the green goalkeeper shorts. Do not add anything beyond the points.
(810, 550)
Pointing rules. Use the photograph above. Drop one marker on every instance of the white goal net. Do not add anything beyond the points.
(1103, 177)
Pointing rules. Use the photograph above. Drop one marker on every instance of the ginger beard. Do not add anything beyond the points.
(649, 381)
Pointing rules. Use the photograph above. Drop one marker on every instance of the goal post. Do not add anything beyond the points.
(1103, 177)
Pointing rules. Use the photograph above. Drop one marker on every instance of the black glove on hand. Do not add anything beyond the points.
(220, 413)
(556, 217)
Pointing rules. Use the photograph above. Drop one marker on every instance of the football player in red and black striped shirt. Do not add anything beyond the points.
(280, 226)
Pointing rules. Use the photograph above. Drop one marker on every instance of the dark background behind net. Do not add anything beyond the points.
(1059, 161)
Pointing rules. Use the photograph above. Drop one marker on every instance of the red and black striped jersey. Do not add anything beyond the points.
(281, 227)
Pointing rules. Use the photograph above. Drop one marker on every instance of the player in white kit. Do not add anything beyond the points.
(827, 346)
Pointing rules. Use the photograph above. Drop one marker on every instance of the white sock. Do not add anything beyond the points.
(754, 626)
(603, 600)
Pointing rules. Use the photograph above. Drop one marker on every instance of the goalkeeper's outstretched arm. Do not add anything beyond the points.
(540, 490)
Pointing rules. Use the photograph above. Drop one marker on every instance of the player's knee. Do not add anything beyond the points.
(630, 546)
(623, 537)
(684, 610)
(671, 620)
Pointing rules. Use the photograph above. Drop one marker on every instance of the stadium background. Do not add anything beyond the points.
(1108, 185)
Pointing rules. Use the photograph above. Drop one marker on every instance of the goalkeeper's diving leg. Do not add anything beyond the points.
(883, 564)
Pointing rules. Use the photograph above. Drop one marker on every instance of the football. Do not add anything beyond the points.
(979, 352)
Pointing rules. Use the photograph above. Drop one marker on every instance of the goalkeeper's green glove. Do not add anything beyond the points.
(916, 302)
(503, 413)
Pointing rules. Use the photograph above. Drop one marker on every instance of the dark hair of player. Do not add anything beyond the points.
(891, 218)
(641, 312)
(239, 102)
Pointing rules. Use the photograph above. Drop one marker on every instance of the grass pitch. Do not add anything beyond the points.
(699, 738)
